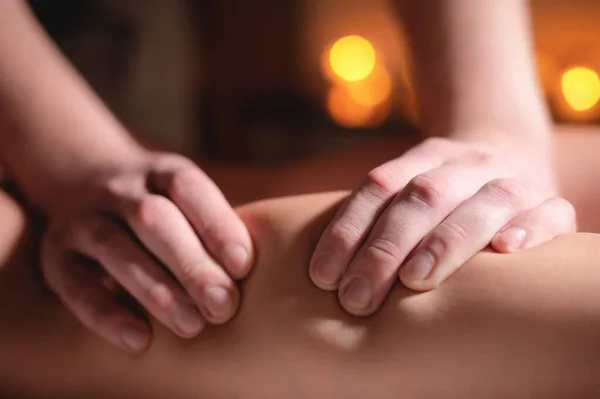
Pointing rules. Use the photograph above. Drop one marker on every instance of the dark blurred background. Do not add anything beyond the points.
(263, 81)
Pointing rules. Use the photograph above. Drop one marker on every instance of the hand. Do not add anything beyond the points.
(161, 230)
(422, 215)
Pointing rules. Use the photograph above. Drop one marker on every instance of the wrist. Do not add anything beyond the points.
(533, 139)
(56, 179)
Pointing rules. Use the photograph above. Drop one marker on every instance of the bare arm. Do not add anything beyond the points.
(474, 66)
(530, 319)
(54, 131)
(480, 99)
(73, 159)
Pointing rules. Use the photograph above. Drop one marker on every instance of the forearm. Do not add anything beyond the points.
(474, 67)
(53, 129)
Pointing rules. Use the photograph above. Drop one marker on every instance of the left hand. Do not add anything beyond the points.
(159, 228)
(422, 215)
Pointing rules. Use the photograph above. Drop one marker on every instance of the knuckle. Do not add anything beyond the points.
(123, 191)
(384, 250)
(182, 179)
(446, 237)
(344, 236)
(214, 230)
(455, 232)
(381, 183)
(435, 144)
(159, 296)
(426, 190)
(116, 188)
(509, 191)
(485, 159)
(192, 275)
(150, 211)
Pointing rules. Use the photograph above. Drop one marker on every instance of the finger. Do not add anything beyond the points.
(221, 230)
(113, 248)
(79, 286)
(348, 229)
(466, 231)
(423, 203)
(553, 217)
(164, 230)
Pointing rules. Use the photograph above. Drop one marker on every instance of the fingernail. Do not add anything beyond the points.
(235, 257)
(134, 338)
(358, 293)
(324, 270)
(217, 300)
(187, 320)
(419, 267)
(513, 237)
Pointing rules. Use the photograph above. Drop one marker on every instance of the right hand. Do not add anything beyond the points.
(160, 229)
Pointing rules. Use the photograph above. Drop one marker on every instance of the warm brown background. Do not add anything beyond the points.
(239, 80)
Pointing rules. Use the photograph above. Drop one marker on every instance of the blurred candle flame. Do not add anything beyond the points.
(581, 88)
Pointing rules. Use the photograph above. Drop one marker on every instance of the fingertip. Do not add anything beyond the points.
(324, 273)
(134, 336)
(220, 303)
(186, 321)
(418, 268)
(238, 260)
(417, 284)
(356, 296)
(509, 240)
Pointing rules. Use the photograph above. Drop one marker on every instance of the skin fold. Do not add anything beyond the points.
(516, 325)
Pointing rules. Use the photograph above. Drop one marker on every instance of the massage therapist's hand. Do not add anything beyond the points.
(422, 215)
(160, 229)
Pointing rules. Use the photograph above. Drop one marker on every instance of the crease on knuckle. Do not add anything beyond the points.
(508, 191)
(381, 184)
(423, 190)
(344, 236)
(448, 236)
(384, 249)
(192, 275)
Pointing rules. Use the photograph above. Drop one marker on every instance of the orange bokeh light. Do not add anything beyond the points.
(373, 90)
(350, 114)
(351, 58)
(581, 88)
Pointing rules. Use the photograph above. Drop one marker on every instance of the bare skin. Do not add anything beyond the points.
(575, 157)
(484, 176)
(530, 318)
(75, 161)
(114, 203)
